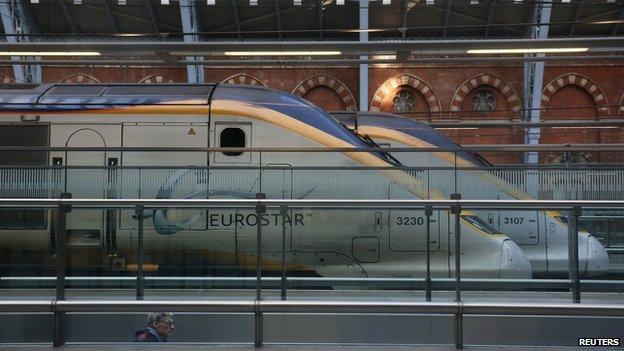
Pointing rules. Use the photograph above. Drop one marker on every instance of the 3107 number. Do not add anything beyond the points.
(513, 220)
(410, 220)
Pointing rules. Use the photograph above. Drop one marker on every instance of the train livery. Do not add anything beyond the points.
(354, 243)
(543, 235)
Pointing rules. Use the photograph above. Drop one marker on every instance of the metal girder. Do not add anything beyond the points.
(236, 19)
(447, 17)
(133, 17)
(34, 28)
(363, 13)
(404, 13)
(278, 18)
(534, 79)
(111, 18)
(17, 29)
(68, 17)
(489, 18)
(457, 46)
(449, 11)
(255, 19)
(190, 24)
(167, 60)
(319, 5)
(576, 16)
(620, 17)
(154, 16)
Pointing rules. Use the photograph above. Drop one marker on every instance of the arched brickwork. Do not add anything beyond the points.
(243, 79)
(621, 106)
(409, 80)
(79, 78)
(156, 79)
(600, 99)
(513, 99)
(331, 83)
(4, 79)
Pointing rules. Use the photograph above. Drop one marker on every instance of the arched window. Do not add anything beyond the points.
(483, 101)
(403, 102)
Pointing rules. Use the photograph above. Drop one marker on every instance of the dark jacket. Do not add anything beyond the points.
(147, 335)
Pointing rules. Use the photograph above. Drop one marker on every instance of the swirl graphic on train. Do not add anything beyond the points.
(177, 186)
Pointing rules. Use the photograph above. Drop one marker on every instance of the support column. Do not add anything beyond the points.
(363, 67)
(190, 25)
(534, 79)
(17, 29)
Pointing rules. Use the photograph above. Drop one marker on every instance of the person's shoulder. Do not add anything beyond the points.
(144, 336)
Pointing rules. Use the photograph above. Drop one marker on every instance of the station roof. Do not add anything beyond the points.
(322, 19)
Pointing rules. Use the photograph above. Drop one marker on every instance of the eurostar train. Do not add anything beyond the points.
(543, 235)
(353, 243)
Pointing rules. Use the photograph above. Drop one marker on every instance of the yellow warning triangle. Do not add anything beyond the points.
(191, 132)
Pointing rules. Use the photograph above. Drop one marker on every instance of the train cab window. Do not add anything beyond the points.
(232, 137)
(481, 224)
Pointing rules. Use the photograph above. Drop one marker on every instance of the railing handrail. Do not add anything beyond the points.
(309, 203)
(312, 306)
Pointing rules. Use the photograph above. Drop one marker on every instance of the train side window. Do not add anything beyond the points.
(232, 137)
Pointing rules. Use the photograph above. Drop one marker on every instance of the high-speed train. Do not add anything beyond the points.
(543, 235)
(154, 120)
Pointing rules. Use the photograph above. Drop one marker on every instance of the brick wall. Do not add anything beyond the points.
(580, 91)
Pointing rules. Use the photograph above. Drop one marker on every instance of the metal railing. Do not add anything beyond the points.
(59, 306)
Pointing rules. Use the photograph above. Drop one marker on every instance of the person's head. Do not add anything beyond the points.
(162, 322)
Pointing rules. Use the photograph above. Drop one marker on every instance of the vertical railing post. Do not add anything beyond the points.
(574, 254)
(456, 209)
(284, 213)
(61, 267)
(428, 213)
(260, 209)
(140, 287)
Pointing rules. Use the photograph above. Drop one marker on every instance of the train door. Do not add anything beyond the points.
(173, 237)
(85, 176)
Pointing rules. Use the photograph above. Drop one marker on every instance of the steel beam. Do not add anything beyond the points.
(620, 18)
(17, 28)
(576, 17)
(447, 17)
(363, 67)
(404, 13)
(534, 79)
(319, 5)
(278, 18)
(190, 26)
(236, 19)
(154, 16)
(68, 17)
(111, 17)
(489, 18)
(346, 47)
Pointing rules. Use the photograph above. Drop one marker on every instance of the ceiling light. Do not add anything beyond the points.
(77, 2)
(296, 2)
(49, 53)
(281, 53)
(340, 2)
(164, 2)
(121, 2)
(253, 2)
(211, 2)
(385, 2)
(34, 1)
(383, 57)
(429, 2)
(526, 51)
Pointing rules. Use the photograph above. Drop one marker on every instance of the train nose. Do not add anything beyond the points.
(514, 262)
(597, 259)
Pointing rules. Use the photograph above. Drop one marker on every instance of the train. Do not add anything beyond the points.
(543, 235)
(133, 131)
